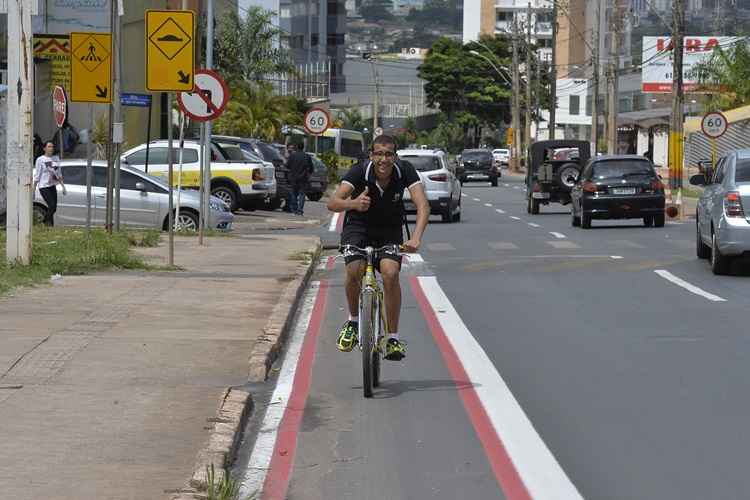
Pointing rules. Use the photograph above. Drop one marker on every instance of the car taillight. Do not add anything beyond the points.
(438, 177)
(537, 188)
(733, 205)
(589, 187)
(657, 186)
(257, 175)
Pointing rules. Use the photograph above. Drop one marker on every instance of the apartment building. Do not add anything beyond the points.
(496, 17)
(314, 31)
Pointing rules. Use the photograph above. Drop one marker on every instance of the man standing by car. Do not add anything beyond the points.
(300, 167)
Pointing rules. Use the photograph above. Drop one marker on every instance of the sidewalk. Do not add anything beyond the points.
(107, 381)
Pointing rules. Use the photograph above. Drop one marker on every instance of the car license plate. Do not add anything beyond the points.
(475, 176)
(623, 190)
(540, 196)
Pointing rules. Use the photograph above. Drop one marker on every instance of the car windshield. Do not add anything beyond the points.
(742, 171)
(621, 168)
(156, 180)
(501, 151)
(476, 156)
(232, 152)
(422, 163)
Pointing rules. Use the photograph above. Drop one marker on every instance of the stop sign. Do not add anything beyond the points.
(59, 105)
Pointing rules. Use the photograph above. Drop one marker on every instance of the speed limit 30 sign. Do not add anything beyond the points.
(317, 121)
(714, 124)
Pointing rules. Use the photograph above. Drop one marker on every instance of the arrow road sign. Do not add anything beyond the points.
(170, 50)
(209, 98)
(91, 67)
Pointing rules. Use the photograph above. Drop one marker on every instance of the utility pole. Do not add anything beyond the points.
(527, 129)
(376, 96)
(19, 133)
(595, 74)
(206, 181)
(613, 92)
(118, 131)
(678, 101)
(516, 113)
(538, 98)
(553, 73)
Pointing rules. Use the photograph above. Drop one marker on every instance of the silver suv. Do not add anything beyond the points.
(441, 185)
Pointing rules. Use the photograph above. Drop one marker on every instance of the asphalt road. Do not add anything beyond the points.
(627, 360)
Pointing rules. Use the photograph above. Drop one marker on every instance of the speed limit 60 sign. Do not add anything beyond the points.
(317, 121)
(714, 124)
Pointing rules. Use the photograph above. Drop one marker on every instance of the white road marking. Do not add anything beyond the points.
(334, 222)
(506, 185)
(539, 470)
(260, 459)
(464, 195)
(516, 187)
(562, 244)
(617, 257)
(534, 225)
(488, 204)
(476, 199)
(559, 236)
(514, 217)
(499, 211)
(502, 245)
(687, 286)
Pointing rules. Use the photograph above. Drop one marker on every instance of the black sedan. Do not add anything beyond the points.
(618, 187)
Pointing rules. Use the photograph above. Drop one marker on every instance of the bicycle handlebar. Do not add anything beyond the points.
(355, 250)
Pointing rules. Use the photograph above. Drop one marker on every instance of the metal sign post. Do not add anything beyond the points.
(171, 179)
(89, 170)
(179, 169)
(202, 186)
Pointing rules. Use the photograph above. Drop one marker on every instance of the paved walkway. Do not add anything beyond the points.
(106, 381)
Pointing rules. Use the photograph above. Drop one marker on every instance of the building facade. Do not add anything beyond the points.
(314, 31)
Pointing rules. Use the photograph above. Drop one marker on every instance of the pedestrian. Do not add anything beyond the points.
(47, 175)
(299, 168)
(70, 138)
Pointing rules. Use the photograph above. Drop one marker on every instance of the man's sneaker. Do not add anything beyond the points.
(394, 350)
(348, 336)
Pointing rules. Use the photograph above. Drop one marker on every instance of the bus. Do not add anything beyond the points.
(349, 145)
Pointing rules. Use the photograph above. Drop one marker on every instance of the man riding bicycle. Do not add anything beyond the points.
(371, 195)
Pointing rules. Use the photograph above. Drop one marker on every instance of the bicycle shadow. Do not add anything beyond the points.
(394, 388)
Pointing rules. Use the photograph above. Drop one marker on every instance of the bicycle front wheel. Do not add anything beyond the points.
(367, 342)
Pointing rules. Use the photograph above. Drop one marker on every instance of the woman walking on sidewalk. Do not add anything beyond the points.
(47, 175)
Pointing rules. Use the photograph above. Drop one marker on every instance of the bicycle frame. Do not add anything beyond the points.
(371, 284)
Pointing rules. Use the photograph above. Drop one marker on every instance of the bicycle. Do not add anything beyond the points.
(372, 320)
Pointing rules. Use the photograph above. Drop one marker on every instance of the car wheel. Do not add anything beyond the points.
(457, 215)
(534, 207)
(567, 175)
(314, 196)
(702, 250)
(648, 221)
(446, 214)
(528, 205)
(39, 214)
(719, 263)
(585, 220)
(659, 220)
(574, 221)
(187, 221)
(493, 181)
(227, 194)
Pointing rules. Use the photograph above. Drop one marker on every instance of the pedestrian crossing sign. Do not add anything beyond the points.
(91, 67)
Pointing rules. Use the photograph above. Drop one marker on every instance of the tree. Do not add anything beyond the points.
(447, 134)
(727, 75)
(352, 119)
(248, 48)
(255, 111)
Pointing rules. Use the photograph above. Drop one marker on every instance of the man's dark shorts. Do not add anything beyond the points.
(362, 236)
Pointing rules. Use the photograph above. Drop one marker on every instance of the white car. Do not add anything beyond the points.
(441, 185)
(238, 182)
(501, 156)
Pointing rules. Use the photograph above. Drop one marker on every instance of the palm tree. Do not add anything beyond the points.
(726, 75)
(352, 119)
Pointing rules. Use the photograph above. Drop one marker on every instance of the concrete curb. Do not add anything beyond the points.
(227, 427)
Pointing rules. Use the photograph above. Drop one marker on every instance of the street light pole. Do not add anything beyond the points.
(516, 115)
(595, 77)
(527, 128)
(678, 102)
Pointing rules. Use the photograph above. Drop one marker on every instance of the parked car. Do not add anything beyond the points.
(144, 200)
(318, 180)
(269, 153)
(618, 187)
(236, 182)
(501, 156)
(550, 176)
(479, 165)
(441, 184)
(722, 225)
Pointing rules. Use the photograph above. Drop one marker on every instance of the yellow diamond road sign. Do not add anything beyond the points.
(91, 67)
(170, 50)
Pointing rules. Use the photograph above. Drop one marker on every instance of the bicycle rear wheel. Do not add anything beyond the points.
(366, 334)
